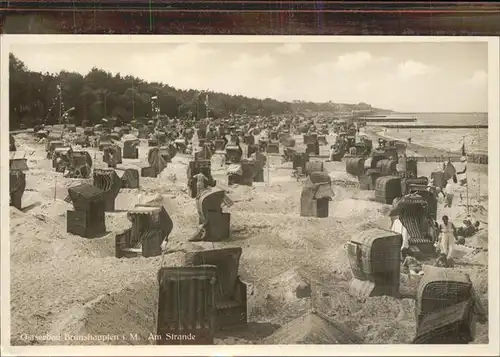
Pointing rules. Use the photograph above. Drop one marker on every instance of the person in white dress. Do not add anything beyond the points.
(449, 191)
(447, 237)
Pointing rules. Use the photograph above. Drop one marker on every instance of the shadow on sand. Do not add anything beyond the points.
(254, 331)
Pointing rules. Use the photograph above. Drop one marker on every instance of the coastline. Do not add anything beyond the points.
(417, 149)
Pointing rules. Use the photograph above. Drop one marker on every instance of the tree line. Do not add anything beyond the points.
(34, 98)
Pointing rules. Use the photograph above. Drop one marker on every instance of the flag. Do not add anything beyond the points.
(449, 171)
(463, 149)
(154, 97)
(206, 100)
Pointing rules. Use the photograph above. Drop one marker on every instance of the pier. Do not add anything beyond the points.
(432, 126)
(384, 119)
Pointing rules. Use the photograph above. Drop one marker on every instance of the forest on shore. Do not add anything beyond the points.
(99, 94)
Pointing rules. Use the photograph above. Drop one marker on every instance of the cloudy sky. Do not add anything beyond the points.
(412, 77)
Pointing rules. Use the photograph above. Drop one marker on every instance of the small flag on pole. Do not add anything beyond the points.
(154, 97)
(206, 100)
(463, 173)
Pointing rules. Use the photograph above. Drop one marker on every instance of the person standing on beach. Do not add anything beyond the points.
(447, 238)
(449, 192)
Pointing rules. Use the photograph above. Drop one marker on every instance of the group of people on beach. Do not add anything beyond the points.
(444, 245)
(448, 236)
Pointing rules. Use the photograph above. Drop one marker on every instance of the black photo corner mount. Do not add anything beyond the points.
(231, 17)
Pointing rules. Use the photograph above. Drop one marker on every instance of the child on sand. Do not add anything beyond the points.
(441, 261)
(468, 229)
(410, 264)
(332, 153)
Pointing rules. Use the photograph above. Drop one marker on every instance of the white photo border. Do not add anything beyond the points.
(257, 350)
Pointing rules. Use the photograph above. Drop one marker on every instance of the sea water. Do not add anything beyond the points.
(476, 140)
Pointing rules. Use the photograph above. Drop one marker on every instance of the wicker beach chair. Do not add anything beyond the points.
(130, 149)
(151, 225)
(375, 260)
(209, 205)
(18, 161)
(231, 292)
(454, 324)
(194, 168)
(80, 165)
(299, 160)
(414, 216)
(12, 143)
(355, 166)
(108, 181)
(186, 305)
(273, 147)
(407, 181)
(314, 166)
(316, 195)
(441, 288)
(233, 154)
(17, 185)
(387, 167)
(88, 218)
(387, 188)
(129, 177)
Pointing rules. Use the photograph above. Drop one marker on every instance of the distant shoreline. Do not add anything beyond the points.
(440, 113)
(418, 149)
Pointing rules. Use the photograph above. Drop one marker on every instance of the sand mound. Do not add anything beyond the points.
(128, 198)
(313, 328)
(285, 285)
(478, 240)
(127, 314)
(477, 213)
(281, 298)
(128, 137)
(343, 178)
(35, 246)
(54, 211)
(183, 247)
(352, 207)
(479, 258)
(99, 247)
(383, 318)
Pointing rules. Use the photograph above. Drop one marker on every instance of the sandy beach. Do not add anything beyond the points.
(64, 284)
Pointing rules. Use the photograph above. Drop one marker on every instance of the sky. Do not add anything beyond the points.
(407, 77)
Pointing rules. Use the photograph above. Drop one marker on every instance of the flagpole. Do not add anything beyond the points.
(478, 173)
(206, 105)
(466, 178)
(133, 100)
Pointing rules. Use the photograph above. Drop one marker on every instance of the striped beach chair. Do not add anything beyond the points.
(413, 214)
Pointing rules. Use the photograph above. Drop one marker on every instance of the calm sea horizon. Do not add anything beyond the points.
(476, 140)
